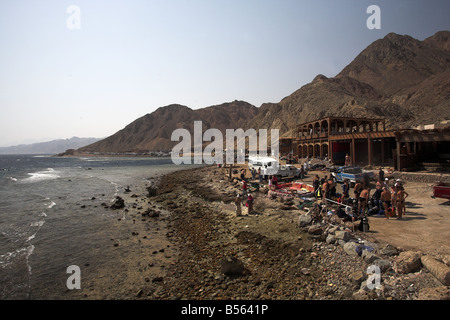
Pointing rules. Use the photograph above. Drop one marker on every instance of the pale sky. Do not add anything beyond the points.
(130, 57)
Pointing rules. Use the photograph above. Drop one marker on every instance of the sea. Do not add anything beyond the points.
(51, 216)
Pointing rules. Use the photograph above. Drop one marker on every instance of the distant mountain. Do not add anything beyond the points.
(153, 131)
(50, 147)
(399, 78)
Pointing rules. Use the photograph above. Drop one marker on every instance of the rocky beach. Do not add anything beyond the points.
(187, 243)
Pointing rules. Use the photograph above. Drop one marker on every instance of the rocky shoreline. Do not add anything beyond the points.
(272, 254)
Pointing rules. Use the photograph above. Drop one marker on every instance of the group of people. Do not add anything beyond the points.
(389, 199)
(393, 199)
(255, 173)
(324, 188)
(291, 159)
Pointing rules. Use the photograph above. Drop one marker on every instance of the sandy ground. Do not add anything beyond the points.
(425, 227)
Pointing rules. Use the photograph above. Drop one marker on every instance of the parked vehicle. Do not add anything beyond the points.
(317, 166)
(353, 174)
(441, 190)
(269, 166)
(288, 170)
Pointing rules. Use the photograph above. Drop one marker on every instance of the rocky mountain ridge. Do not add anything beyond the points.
(399, 78)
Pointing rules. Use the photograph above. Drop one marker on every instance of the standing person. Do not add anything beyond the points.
(275, 182)
(302, 172)
(386, 200)
(316, 183)
(377, 195)
(345, 189)
(381, 175)
(325, 191)
(358, 188)
(394, 197)
(270, 183)
(378, 185)
(244, 187)
(331, 189)
(376, 198)
(385, 183)
(348, 161)
(363, 200)
(401, 196)
(250, 203)
(242, 174)
(238, 203)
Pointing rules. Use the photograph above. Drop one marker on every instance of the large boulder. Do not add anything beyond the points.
(343, 235)
(118, 203)
(330, 239)
(389, 250)
(407, 261)
(315, 229)
(350, 248)
(383, 264)
(304, 220)
(437, 268)
(369, 257)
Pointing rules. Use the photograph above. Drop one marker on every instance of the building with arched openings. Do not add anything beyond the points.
(367, 142)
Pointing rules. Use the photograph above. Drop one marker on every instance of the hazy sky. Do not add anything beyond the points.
(129, 57)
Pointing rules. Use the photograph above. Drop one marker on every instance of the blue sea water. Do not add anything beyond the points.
(43, 227)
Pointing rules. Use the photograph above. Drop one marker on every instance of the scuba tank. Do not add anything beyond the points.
(319, 192)
(365, 224)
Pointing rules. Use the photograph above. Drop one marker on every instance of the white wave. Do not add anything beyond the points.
(48, 174)
(37, 224)
(51, 205)
(116, 188)
(9, 257)
(31, 237)
(11, 178)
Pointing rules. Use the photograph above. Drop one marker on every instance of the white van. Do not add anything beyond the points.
(269, 166)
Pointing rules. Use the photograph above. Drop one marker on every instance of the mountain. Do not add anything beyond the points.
(50, 147)
(399, 78)
(153, 131)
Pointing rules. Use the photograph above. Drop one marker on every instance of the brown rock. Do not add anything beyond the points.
(407, 261)
(437, 269)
